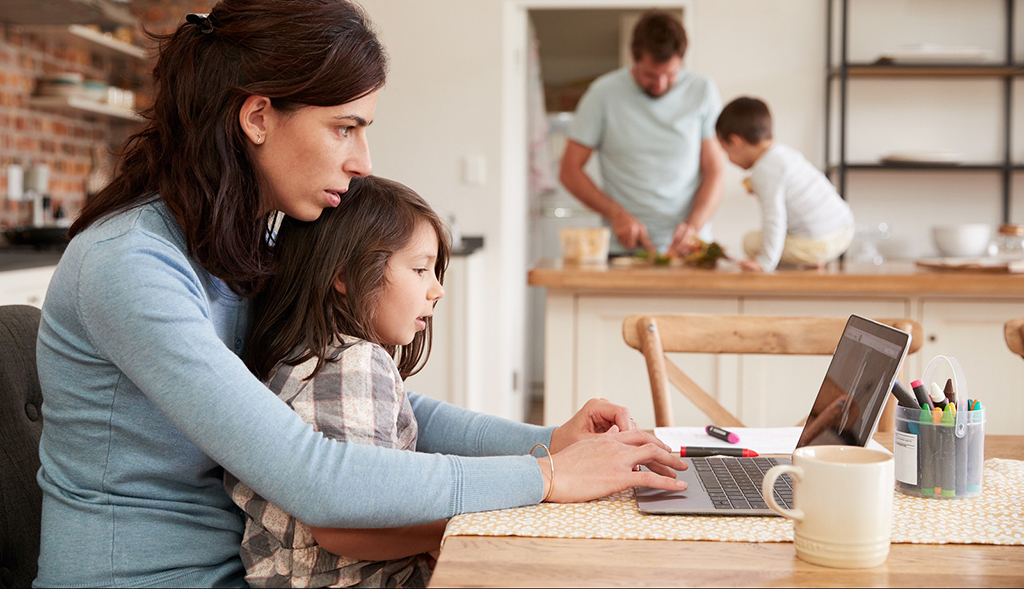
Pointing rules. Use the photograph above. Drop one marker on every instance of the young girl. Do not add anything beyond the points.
(334, 339)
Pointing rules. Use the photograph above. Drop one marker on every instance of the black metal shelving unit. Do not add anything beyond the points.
(844, 71)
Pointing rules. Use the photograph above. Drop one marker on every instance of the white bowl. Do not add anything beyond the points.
(962, 241)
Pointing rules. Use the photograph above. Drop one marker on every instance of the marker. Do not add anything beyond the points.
(703, 452)
(948, 452)
(905, 398)
(721, 434)
(975, 442)
(938, 399)
(925, 453)
(961, 446)
(937, 446)
(922, 394)
(948, 391)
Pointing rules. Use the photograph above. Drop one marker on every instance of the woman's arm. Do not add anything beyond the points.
(386, 544)
(145, 310)
(447, 429)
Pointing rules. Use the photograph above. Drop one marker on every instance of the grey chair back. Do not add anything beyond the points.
(21, 423)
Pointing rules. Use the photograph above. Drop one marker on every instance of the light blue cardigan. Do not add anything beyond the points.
(145, 398)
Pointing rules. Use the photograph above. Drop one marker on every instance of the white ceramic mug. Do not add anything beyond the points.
(842, 498)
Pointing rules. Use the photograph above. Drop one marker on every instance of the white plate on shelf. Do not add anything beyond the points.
(931, 53)
(922, 156)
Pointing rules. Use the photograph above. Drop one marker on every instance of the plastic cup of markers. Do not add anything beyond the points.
(932, 461)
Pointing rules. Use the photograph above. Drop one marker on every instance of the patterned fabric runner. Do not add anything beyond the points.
(994, 517)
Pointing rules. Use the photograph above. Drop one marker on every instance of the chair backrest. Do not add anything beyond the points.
(1014, 332)
(656, 335)
(21, 424)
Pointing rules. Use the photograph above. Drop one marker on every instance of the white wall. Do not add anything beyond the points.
(444, 99)
(442, 103)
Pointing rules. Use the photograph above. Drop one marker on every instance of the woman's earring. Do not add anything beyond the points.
(259, 137)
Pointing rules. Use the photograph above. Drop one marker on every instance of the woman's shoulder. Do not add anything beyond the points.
(148, 221)
(130, 247)
(125, 240)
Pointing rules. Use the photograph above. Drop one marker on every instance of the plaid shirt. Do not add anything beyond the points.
(359, 398)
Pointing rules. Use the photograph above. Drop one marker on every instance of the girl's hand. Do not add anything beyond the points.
(603, 464)
(595, 417)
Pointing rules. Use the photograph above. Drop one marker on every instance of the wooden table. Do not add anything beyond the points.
(472, 561)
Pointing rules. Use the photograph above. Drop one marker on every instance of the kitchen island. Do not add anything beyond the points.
(962, 314)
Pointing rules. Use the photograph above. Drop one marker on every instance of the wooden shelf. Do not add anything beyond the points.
(84, 105)
(65, 12)
(90, 40)
(929, 167)
(938, 70)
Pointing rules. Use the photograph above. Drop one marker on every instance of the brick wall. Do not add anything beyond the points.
(65, 139)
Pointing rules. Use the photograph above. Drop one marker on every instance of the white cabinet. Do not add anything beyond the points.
(454, 371)
(778, 390)
(25, 287)
(606, 367)
(586, 357)
(972, 332)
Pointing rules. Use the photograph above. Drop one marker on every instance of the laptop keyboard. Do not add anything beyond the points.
(735, 483)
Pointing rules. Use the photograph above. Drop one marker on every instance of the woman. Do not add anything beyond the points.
(259, 107)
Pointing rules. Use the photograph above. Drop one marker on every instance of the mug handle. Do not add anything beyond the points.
(768, 488)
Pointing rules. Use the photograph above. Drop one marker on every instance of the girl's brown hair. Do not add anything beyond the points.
(192, 152)
(299, 313)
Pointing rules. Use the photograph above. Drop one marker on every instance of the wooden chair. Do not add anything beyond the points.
(656, 335)
(1014, 332)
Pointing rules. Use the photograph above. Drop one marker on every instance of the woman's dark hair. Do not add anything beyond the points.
(660, 35)
(747, 117)
(193, 153)
(300, 312)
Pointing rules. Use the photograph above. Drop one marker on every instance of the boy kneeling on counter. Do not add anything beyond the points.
(804, 220)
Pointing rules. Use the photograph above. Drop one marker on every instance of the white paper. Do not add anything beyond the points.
(763, 440)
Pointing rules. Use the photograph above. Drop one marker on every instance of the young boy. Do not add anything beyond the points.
(804, 220)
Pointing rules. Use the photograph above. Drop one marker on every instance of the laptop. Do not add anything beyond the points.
(845, 412)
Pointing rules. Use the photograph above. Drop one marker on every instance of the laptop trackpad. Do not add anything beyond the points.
(696, 500)
(693, 499)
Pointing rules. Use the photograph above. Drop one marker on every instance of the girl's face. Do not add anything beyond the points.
(308, 156)
(412, 289)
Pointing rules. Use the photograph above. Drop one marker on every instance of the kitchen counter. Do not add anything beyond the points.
(891, 278)
(962, 315)
(21, 258)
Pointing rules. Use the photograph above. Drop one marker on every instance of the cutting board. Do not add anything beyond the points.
(994, 264)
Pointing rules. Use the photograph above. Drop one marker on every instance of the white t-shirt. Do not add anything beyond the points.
(649, 148)
(796, 199)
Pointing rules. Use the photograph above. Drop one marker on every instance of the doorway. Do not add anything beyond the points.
(567, 45)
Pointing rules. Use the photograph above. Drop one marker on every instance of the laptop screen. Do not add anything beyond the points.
(857, 384)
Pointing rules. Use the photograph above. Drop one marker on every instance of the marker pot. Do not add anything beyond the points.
(932, 461)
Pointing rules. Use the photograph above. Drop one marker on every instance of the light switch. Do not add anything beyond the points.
(474, 170)
(15, 182)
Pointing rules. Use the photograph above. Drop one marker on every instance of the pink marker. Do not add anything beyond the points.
(722, 434)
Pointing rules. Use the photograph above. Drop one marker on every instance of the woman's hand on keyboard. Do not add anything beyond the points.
(601, 465)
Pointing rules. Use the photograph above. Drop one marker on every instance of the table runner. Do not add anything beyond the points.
(994, 517)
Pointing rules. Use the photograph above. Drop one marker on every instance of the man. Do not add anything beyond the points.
(653, 126)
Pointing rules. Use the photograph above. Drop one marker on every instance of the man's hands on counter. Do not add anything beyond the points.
(630, 232)
(684, 240)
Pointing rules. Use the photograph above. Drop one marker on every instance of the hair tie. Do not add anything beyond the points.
(200, 20)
